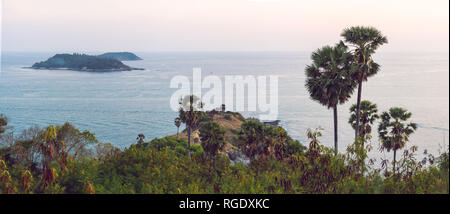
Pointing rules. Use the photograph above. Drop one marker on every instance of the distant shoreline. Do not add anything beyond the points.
(87, 70)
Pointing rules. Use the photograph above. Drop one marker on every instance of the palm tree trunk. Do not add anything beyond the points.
(395, 155)
(178, 130)
(335, 130)
(358, 109)
(189, 141)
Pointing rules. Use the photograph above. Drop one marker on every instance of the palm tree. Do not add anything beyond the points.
(3, 124)
(177, 124)
(140, 138)
(368, 115)
(394, 131)
(365, 41)
(190, 114)
(250, 139)
(281, 141)
(213, 137)
(329, 79)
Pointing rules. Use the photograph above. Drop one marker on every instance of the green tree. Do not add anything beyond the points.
(365, 41)
(177, 124)
(212, 136)
(394, 130)
(53, 156)
(76, 142)
(140, 138)
(250, 139)
(258, 141)
(190, 114)
(329, 79)
(3, 124)
(368, 115)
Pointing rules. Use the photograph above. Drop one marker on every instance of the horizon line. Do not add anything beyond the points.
(205, 51)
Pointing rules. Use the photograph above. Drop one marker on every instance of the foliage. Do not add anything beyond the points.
(76, 141)
(180, 146)
(3, 124)
(393, 130)
(259, 142)
(364, 42)
(190, 114)
(140, 138)
(122, 56)
(177, 123)
(212, 136)
(163, 166)
(368, 115)
(329, 79)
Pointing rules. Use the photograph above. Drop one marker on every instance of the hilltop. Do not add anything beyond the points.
(121, 56)
(231, 123)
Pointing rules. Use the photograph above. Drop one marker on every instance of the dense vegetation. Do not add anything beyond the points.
(82, 62)
(62, 159)
(122, 56)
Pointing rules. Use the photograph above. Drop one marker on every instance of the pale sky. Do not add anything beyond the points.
(217, 25)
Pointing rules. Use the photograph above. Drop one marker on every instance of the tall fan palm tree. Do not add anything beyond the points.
(329, 79)
(190, 114)
(368, 116)
(177, 124)
(394, 131)
(364, 40)
(213, 138)
(250, 139)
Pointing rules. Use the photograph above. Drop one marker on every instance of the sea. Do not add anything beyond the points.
(117, 106)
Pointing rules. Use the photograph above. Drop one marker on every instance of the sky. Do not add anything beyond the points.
(217, 25)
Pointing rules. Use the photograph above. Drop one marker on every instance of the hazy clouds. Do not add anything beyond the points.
(217, 25)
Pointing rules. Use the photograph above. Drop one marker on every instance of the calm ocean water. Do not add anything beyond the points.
(118, 106)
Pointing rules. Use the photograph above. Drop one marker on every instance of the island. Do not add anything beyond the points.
(122, 56)
(82, 62)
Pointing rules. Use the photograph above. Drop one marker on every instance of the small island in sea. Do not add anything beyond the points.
(82, 62)
(122, 56)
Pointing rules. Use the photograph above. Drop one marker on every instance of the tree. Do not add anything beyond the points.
(190, 114)
(6, 182)
(177, 124)
(280, 143)
(394, 130)
(106, 151)
(368, 115)
(212, 136)
(22, 150)
(365, 41)
(223, 108)
(3, 124)
(53, 156)
(140, 138)
(250, 139)
(77, 143)
(258, 141)
(329, 79)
